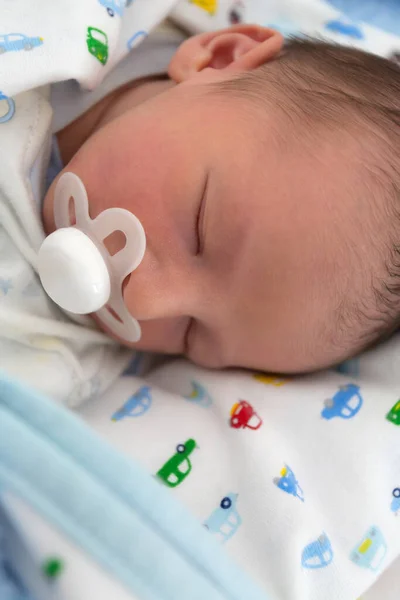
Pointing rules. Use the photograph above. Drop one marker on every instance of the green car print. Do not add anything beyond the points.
(394, 415)
(178, 467)
(97, 44)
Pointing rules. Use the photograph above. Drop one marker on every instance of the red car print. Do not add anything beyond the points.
(244, 415)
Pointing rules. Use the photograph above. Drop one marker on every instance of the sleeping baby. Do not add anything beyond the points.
(264, 178)
(266, 183)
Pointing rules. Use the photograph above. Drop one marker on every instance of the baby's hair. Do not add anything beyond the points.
(324, 87)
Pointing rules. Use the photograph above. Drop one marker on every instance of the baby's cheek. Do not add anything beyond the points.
(161, 335)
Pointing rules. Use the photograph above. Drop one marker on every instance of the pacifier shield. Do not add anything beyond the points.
(73, 271)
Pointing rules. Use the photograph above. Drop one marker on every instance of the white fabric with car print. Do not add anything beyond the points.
(298, 478)
(295, 479)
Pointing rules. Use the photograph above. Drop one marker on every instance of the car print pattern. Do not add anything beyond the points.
(393, 416)
(244, 416)
(275, 380)
(135, 38)
(97, 44)
(288, 483)
(371, 550)
(136, 406)
(15, 42)
(395, 505)
(209, 6)
(225, 520)
(113, 7)
(317, 554)
(345, 28)
(345, 404)
(7, 114)
(178, 467)
(199, 395)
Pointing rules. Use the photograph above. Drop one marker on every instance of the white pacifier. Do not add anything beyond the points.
(75, 267)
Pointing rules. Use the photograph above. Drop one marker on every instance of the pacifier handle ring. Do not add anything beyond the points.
(120, 219)
(127, 329)
(70, 186)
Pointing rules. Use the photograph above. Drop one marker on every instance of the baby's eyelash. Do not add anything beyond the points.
(200, 218)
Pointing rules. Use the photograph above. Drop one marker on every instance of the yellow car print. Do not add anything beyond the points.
(209, 6)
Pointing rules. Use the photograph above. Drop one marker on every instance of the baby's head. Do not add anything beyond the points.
(268, 185)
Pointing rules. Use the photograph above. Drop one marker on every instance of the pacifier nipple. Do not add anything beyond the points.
(75, 267)
(73, 271)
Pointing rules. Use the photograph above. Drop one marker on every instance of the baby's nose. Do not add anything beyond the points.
(155, 292)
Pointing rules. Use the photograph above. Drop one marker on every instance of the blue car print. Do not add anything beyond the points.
(395, 506)
(132, 42)
(348, 29)
(199, 395)
(136, 406)
(288, 483)
(345, 404)
(113, 7)
(13, 42)
(225, 520)
(318, 554)
(370, 551)
(9, 109)
(384, 15)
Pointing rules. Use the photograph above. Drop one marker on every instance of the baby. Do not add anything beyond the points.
(248, 169)
(266, 179)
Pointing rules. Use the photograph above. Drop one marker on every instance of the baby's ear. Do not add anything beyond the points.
(237, 49)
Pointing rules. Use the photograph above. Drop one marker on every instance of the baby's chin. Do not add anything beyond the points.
(284, 362)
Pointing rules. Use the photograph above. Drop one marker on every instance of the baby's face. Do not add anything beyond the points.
(242, 247)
